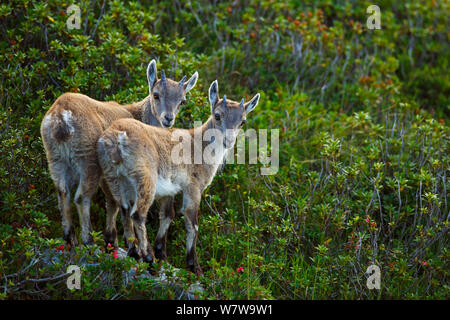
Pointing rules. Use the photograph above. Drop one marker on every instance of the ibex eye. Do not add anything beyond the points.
(156, 96)
(243, 122)
(183, 102)
(217, 116)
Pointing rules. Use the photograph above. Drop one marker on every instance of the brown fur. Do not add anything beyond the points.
(70, 131)
(146, 171)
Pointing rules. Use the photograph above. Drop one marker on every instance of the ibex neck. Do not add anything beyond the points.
(207, 125)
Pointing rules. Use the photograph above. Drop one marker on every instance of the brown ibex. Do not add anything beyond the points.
(139, 165)
(70, 131)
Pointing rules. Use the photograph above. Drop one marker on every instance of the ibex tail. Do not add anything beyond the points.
(62, 126)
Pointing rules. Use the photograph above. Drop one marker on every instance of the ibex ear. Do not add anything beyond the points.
(151, 74)
(213, 94)
(191, 82)
(249, 106)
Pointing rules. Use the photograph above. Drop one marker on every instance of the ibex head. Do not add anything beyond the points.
(229, 116)
(167, 95)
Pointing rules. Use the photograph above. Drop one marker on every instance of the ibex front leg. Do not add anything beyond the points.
(166, 215)
(191, 204)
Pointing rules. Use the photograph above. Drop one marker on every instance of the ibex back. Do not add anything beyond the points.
(70, 130)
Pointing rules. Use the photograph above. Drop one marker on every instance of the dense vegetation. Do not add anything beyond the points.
(364, 158)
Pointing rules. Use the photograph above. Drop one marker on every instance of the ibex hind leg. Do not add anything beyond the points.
(112, 209)
(145, 196)
(88, 185)
(166, 215)
(64, 207)
(112, 187)
(191, 204)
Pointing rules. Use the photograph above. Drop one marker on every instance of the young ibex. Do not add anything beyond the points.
(70, 131)
(139, 165)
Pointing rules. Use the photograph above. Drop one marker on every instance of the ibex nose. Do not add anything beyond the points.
(169, 117)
